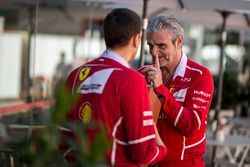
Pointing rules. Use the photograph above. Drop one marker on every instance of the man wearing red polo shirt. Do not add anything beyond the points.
(185, 90)
(116, 95)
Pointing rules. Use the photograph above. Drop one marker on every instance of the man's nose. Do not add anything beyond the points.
(154, 50)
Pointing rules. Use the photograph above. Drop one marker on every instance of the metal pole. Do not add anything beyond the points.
(224, 15)
(144, 28)
(33, 12)
(28, 78)
(221, 70)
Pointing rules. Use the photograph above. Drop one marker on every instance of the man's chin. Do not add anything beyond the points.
(164, 64)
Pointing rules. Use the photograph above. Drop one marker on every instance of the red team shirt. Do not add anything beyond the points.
(183, 117)
(117, 95)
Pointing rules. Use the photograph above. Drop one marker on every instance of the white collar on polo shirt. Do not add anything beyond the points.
(181, 68)
(114, 56)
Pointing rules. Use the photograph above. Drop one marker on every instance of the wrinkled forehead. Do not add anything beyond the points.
(160, 35)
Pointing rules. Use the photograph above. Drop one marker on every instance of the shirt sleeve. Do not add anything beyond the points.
(191, 115)
(71, 79)
(138, 122)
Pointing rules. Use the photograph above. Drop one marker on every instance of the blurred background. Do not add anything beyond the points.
(35, 33)
(41, 41)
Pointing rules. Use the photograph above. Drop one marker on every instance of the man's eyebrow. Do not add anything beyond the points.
(158, 44)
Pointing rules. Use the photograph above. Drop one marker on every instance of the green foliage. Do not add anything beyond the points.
(41, 149)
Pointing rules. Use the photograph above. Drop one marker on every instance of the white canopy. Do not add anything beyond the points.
(64, 12)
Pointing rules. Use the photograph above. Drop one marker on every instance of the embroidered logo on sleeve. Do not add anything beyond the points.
(185, 79)
(202, 93)
(84, 73)
(85, 113)
(180, 95)
(171, 90)
(199, 106)
(96, 82)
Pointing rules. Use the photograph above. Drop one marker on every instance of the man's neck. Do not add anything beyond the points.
(123, 52)
(166, 75)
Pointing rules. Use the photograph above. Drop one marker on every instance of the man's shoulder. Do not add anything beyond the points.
(130, 74)
(199, 74)
(195, 67)
(118, 70)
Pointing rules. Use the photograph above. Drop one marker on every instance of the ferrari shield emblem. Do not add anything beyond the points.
(171, 90)
(86, 113)
(84, 73)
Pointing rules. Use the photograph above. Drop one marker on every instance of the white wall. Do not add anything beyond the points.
(49, 47)
(47, 55)
(10, 64)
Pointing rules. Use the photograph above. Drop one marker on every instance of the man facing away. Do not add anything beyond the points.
(116, 95)
(185, 90)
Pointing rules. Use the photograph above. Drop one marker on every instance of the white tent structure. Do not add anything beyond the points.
(72, 11)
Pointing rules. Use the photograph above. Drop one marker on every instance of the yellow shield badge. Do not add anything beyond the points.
(86, 113)
(84, 73)
(171, 90)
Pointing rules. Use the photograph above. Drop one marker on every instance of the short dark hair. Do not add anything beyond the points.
(120, 25)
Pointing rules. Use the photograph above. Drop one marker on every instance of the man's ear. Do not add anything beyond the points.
(136, 40)
(179, 42)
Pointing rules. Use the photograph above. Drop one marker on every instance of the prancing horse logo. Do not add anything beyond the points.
(84, 73)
